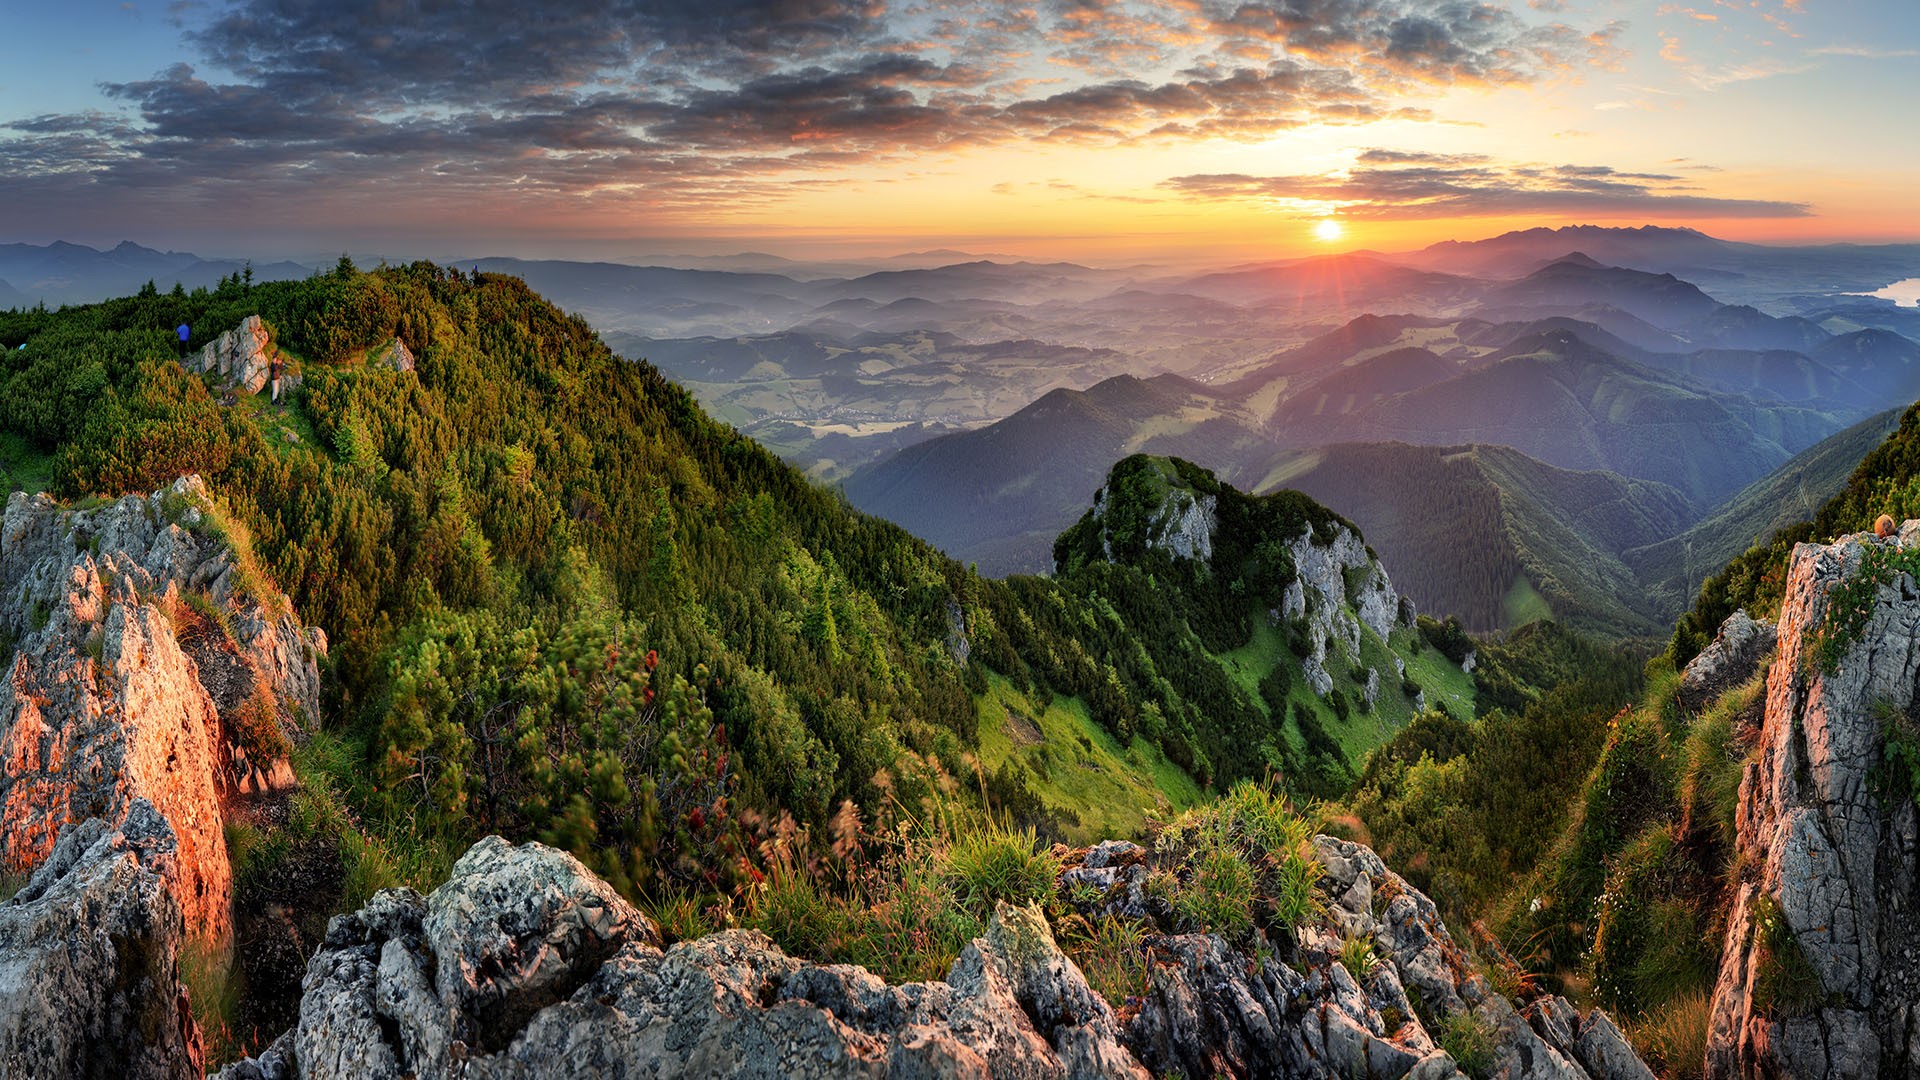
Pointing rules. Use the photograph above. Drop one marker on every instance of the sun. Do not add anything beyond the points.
(1327, 230)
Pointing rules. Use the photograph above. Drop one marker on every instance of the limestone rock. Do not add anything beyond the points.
(1826, 844)
(396, 356)
(241, 358)
(1731, 659)
(120, 690)
(89, 964)
(525, 965)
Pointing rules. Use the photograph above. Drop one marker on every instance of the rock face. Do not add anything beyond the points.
(89, 973)
(1820, 969)
(136, 661)
(525, 965)
(241, 358)
(396, 356)
(1333, 610)
(1731, 659)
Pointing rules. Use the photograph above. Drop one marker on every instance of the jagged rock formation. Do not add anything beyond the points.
(525, 965)
(143, 663)
(1820, 969)
(89, 969)
(396, 356)
(1333, 612)
(1728, 661)
(240, 359)
(1334, 586)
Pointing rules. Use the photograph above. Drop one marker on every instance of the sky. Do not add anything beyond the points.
(1093, 129)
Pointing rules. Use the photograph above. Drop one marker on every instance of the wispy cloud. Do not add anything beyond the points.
(1399, 185)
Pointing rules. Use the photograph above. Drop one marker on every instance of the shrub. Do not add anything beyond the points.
(1218, 898)
(1469, 1043)
(1784, 981)
(997, 863)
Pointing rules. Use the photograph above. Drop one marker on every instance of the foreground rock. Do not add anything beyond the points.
(1820, 969)
(525, 965)
(144, 665)
(89, 966)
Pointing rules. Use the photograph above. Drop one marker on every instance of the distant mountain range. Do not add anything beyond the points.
(63, 273)
(1578, 445)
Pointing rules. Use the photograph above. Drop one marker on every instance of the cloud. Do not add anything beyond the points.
(1864, 52)
(665, 103)
(1402, 186)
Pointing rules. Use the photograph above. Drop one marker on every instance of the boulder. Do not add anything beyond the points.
(241, 358)
(525, 965)
(396, 356)
(89, 959)
(1729, 660)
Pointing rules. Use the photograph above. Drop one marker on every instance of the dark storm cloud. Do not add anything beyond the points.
(1392, 184)
(667, 101)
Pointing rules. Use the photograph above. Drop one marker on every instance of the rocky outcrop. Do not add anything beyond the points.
(523, 964)
(145, 665)
(1731, 659)
(1182, 525)
(396, 356)
(1820, 969)
(89, 965)
(240, 359)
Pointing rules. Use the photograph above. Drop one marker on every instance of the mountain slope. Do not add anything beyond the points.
(1555, 397)
(1668, 570)
(1493, 536)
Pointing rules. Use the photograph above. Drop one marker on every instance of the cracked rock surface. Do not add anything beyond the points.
(89, 967)
(1829, 842)
(134, 649)
(526, 965)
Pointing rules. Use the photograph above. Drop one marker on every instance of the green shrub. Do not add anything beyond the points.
(1850, 604)
(998, 863)
(1650, 944)
(1900, 749)
(1218, 897)
(1466, 1039)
